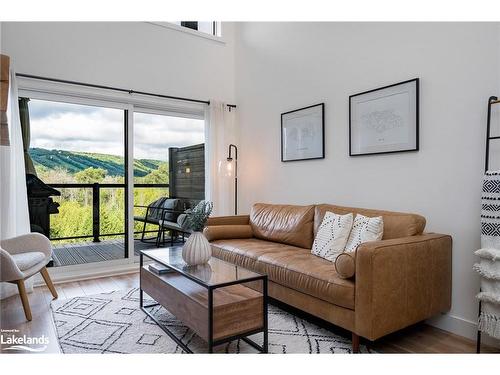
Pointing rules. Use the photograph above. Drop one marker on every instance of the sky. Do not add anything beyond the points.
(73, 127)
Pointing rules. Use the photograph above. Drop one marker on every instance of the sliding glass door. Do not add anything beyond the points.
(100, 164)
(79, 150)
(158, 136)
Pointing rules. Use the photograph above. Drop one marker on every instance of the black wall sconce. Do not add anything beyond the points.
(233, 169)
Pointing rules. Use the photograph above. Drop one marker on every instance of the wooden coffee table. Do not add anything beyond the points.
(219, 301)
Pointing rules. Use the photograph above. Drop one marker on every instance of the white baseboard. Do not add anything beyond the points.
(455, 324)
(77, 273)
(462, 327)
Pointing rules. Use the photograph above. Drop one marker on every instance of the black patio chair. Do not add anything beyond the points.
(164, 213)
(175, 227)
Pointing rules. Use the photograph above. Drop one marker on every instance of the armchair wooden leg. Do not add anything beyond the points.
(24, 299)
(355, 343)
(48, 281)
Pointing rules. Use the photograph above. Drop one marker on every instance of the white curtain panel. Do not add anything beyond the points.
(220, 131)
(14, 217)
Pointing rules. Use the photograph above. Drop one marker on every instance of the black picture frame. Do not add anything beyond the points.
(417, 118)
(322, 156)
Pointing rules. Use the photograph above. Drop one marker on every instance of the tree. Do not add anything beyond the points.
(157, 176)
(75, 211)
(90, 175)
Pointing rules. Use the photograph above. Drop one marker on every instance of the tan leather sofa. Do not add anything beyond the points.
(400, 280)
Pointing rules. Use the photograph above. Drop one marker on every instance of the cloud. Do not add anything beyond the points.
(40, 109)
(101, 130)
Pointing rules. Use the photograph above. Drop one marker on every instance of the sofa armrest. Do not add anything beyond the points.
(400, 282)
(229, 220)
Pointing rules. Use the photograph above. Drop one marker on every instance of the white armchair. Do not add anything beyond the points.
(22, 257)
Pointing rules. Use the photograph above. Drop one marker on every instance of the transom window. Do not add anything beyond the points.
(207, 27)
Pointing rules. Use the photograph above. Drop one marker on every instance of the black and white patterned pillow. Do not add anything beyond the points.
(365, 229)
(332, 235)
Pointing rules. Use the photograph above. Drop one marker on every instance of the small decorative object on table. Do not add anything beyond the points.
(159, 269)
(197, 249)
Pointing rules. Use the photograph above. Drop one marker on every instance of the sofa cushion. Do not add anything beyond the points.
(345, 265)
(181, 219)
(396, 224)
(150, 220)
(291, 225)
(290, 266)
(154, 213)
(244, 252)
(173, 208)
(222, 232)
(332, 236)
(364, 229)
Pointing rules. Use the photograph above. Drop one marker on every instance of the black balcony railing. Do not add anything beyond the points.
(96, 199)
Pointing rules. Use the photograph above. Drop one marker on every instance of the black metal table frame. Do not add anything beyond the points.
(210, 289)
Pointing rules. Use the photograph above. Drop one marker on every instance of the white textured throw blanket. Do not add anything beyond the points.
(490, 211)
(489, 256)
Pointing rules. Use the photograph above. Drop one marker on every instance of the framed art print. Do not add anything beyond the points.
(384, 120)
(302, 133)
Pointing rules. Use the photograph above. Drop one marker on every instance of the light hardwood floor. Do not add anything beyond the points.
(420, 338)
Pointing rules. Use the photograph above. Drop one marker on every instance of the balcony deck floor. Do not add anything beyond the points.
(90, 252)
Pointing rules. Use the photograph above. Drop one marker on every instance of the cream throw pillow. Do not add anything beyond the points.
(332, 235)
(363, 230)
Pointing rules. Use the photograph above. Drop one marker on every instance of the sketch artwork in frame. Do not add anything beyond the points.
(303, 133)
(384, 120)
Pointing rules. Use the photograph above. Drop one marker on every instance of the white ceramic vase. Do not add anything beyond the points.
(196, 250)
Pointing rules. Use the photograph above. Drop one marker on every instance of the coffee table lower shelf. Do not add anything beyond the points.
(218, 314)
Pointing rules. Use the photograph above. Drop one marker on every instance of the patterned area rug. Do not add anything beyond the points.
(114, 323)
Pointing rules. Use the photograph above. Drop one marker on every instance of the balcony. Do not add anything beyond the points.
(94, 216)
(88, 222)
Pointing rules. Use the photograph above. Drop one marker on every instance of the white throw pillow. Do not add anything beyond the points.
(332, 235)
(365, 229)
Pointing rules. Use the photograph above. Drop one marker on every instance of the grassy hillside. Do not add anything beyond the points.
(75, 162)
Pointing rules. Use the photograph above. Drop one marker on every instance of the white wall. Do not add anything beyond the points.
(285, 66)
(131, 55)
